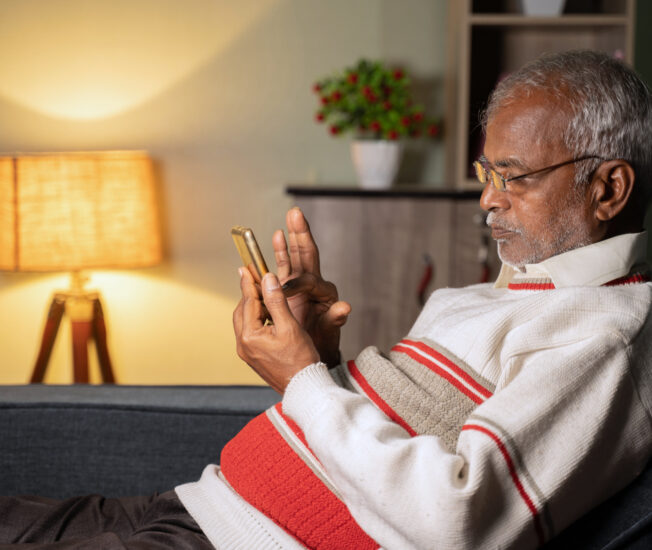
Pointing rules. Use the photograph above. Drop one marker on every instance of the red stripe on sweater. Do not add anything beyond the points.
(446, 361)
(379, 401)
(292, 425)
(627, 280)
(514, 475)
(265, 471)
(531, 286)
(441, 372)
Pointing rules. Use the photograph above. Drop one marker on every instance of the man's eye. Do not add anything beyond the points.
(526, 179)
(518, 185)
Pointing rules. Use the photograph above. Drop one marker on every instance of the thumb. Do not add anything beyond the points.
(338, 313)
(275, 301)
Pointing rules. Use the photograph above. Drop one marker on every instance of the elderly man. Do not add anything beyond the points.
(509, 410)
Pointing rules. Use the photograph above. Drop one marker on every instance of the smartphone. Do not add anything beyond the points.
(252, 257)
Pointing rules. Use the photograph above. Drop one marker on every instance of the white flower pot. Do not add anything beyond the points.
(543, 8)
(376, 162)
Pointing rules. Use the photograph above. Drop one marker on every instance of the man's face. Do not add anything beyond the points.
(542, 215)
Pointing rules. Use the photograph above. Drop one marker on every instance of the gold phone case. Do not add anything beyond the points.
(252, 258)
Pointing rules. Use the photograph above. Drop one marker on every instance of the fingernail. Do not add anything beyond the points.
(289, 285)
(270, 281)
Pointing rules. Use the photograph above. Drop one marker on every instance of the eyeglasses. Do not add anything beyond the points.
(485, 175)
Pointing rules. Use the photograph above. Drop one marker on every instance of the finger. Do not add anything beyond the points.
(306, 249)
(237, 319)
(275, 302)
(302, 284)
(281, 255)
(295, 258)
(247, 283)
(315, 287)
(338, 313)
(252, 310)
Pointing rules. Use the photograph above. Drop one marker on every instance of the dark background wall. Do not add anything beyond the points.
(643, 64)
(643, 40)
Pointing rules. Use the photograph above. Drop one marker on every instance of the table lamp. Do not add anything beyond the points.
(73, 212)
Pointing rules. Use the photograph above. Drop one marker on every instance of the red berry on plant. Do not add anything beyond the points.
(392, 134)
(334, 130)
(387, 105)
(316, 88)
(406, 121)
(418, 116)
(319, 117)
(324, 100)
(336, 95)
(369, 94)
(375, 126)
(433, 130)
(398, 74)
(352, 78)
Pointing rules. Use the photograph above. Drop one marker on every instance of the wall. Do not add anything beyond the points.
(643, 40)
(643, 64)
(219, 92)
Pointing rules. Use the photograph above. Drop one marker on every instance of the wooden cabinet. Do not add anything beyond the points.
(490, 38)
(372, 246)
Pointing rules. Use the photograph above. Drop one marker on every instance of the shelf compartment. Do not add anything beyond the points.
(513, 20)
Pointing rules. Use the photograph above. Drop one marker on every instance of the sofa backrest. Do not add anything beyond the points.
(60, 441)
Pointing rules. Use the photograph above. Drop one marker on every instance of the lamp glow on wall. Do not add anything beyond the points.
(74, 212)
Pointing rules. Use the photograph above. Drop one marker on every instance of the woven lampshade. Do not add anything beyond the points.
(73, 211)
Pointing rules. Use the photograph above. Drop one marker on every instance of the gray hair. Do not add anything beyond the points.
(610, 109)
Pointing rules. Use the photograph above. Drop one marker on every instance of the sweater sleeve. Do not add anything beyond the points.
(563, 434)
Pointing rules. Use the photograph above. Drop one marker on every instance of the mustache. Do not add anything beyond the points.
(493, 220)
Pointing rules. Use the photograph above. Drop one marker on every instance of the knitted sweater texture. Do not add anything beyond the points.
(504, 415)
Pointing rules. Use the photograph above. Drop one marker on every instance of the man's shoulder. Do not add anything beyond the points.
(556, 315)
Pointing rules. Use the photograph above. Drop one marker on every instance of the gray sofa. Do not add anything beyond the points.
(60, 441)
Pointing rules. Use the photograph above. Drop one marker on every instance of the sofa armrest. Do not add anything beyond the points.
(61, 441)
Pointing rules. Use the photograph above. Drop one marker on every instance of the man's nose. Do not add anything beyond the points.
(492, 199)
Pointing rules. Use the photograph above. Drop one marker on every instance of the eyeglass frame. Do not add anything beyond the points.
(502, 186)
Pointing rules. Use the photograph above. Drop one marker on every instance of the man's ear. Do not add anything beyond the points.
(612, 185)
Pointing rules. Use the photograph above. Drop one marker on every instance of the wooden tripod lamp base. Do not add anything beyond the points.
(84, 309)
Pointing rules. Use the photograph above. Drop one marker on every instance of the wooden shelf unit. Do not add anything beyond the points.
(487, 45)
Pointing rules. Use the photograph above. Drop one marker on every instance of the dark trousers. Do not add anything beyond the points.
(97, 523)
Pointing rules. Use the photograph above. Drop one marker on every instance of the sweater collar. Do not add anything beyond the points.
(593, 265)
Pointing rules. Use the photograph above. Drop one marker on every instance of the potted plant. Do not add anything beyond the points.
(373, 102)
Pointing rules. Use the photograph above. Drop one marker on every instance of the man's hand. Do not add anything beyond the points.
(313, 301)
(275, 351)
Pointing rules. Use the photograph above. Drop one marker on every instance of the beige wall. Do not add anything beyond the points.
(219, 93)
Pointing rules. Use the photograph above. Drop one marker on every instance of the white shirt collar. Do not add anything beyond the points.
(592, 265)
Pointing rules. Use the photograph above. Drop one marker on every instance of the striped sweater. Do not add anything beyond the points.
(505, 414)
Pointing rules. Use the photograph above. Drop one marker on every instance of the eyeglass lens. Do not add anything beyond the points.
(485, 175)
(480, 172)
